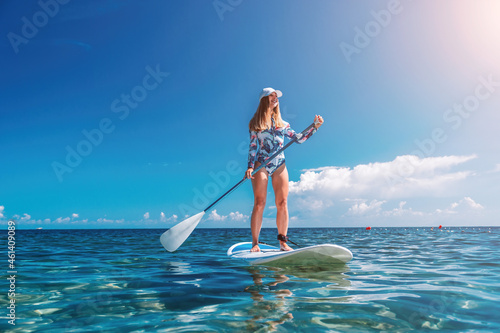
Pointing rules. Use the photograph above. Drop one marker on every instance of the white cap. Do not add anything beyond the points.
(269, 91)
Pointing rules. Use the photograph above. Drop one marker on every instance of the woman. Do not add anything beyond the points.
(267, 134)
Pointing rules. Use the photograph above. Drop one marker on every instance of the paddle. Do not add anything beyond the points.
(175, 236)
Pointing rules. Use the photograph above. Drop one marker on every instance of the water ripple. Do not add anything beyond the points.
(400, 279)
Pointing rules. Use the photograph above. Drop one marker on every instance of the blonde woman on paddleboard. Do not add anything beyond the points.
(267, 135)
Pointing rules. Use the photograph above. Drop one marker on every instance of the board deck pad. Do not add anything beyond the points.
(317, 255)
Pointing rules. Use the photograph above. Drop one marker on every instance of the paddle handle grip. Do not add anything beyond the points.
(304, 132)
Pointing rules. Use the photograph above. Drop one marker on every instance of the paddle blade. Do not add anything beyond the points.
(175, 236)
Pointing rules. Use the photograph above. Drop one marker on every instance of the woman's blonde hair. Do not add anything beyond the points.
(261, 120)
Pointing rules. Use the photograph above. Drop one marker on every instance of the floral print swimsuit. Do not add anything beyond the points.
(265, 143)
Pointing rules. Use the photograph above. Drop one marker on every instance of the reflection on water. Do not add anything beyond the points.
(179, 268)
(268, 311)
(334, 274)
(400, 280)
(274, 303)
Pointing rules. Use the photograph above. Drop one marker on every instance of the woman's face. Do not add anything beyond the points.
(273, 100)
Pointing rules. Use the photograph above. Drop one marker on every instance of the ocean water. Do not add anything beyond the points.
(400, 280)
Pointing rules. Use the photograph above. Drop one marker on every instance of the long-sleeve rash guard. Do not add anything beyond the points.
(265, 143)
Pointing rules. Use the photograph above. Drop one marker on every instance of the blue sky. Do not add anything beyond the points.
(155, 98)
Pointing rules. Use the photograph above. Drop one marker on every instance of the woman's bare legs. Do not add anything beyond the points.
(259, 184)
(280, 186)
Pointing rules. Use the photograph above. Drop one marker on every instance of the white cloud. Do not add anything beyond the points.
(1, 211)
(496, 169)
(62, 220)
(104, 220)
(73, 220)
(462, 206)
(401, 211)
(407, 190)
(237, 216)
(362, 208)
(471, 203)
(233, 216)
(404, 177)
(163, 218)
(216, 217)
(374, 208)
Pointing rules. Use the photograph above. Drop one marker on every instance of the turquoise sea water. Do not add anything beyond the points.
(401, 279)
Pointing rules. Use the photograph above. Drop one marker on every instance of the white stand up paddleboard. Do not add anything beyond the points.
(317, 255)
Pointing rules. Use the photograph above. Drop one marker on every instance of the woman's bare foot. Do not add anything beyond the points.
(255, 248)
(284, 247)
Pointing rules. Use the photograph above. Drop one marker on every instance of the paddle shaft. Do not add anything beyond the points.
(260, 167)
